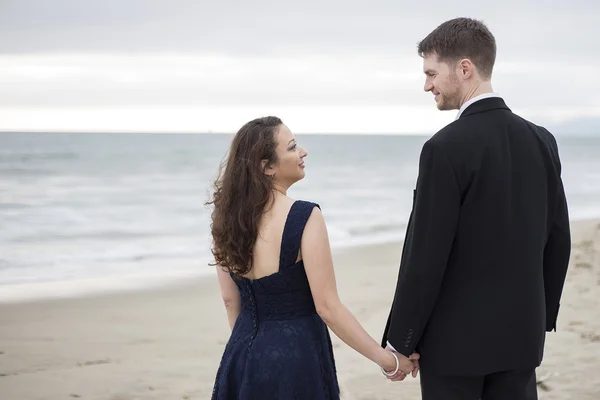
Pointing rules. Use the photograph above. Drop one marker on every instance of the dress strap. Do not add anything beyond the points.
(292, 232)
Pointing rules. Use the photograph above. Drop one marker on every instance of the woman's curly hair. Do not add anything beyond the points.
(242, 193)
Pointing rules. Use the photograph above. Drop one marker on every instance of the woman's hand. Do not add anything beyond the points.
(388, 363)
(406, 366)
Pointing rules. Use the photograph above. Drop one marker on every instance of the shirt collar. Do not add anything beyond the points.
(474, 99)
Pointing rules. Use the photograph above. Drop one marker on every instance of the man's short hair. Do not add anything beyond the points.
(462, 38)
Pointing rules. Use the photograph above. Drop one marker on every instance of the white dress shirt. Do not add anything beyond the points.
(473, 100)
(462, 108)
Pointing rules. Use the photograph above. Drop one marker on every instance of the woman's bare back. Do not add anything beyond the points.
(265, 260)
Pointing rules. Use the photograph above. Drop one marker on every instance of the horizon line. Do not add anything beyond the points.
(209, 132)
(148, 132)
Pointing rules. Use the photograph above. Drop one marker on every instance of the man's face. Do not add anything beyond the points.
(441, 79)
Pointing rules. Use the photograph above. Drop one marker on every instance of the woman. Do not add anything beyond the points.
(276, 276)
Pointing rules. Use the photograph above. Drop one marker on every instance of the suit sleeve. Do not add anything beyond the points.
(556, 253)
(428, 244)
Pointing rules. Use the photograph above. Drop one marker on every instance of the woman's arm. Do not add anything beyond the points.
(230, 295)
(318, 264)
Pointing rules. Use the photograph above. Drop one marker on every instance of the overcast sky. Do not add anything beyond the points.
(322, 66)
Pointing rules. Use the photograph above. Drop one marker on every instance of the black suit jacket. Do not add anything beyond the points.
(486, 248)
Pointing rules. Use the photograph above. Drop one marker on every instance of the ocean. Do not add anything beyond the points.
(92, 212)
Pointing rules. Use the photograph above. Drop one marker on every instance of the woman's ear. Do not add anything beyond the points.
(267, 169)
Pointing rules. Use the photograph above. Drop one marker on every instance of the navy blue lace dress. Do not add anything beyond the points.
(279, 347)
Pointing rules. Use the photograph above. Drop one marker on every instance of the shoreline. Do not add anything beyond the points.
(78, 288)
(72, 289)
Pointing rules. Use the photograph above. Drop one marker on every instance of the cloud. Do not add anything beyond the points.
(523, 28)
(92, 80)
(81, 80)
(334, 65)
(226, 119)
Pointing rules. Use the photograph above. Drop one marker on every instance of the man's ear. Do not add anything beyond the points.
(466, 68)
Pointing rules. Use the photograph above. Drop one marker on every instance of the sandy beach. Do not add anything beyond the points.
(166, 343)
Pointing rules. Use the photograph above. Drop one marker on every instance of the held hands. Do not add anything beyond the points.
(396, 366)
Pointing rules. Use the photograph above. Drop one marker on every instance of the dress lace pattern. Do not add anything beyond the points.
(279, 347)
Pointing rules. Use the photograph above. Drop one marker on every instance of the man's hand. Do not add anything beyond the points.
(414, 357)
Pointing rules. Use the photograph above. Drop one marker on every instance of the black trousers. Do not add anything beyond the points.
(507, 385)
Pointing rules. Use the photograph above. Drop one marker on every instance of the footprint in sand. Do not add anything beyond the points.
(590, 336)
(95, 362)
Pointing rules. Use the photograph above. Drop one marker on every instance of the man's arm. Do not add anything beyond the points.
(556, 254)
(428, 244)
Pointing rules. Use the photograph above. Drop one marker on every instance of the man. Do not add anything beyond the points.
(488, 240)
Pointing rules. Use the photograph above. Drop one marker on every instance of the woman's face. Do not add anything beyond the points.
(289, 168)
